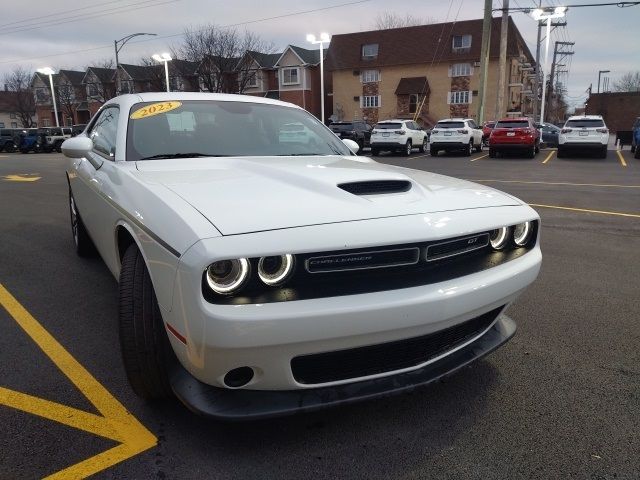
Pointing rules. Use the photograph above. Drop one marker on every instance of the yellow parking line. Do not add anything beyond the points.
(624, 164)
(115, 422)
(558, 183)
(602, 212)
(549, 156)
(478, 158)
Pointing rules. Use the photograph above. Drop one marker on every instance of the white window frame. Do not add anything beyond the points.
(289, 69)
(252, 81)
(370, 76)
(463, 46)
(2, 125)
(372, 46)
(460, 97)
(461, 70)
(370, 101)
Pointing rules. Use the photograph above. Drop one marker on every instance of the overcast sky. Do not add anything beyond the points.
(606, 38)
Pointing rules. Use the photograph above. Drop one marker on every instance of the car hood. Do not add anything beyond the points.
(250, 194)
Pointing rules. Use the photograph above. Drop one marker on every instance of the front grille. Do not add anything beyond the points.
(376, 187)
(386, 357)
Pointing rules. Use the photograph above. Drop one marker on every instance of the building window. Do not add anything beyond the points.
(41, 95)
(125, 87)
(290, 76)
(370, 101)
(1, 124)
(461, 70)
(252, 80)
(460, 97)
(14, 125)
(92, 90)
(369, 76)
(12, 115)
(414, 101)
(370, 50)
(46, 122)
(461, 42)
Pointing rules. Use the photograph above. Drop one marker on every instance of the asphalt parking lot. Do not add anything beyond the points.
(561, 400)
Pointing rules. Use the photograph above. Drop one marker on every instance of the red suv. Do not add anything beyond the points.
(486, 131)
(514, 134)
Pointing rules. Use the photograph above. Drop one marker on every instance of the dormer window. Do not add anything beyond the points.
(370, 50)
(461, 42)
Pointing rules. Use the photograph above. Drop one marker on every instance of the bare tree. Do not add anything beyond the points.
(629, 82)
(155, 74)
(22, 102)
(220, 53)
(388, 20)
(66, 98)
(103, 63)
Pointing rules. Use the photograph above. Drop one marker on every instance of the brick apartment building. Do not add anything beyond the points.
(619, 109)
(407, 72)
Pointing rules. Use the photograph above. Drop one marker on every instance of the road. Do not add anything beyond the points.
(561, 400)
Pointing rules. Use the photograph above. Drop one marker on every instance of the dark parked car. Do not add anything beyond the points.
(358, 131)
(27, 140)
(7, 139)
(549, 134)
(77, 129)
(635, 138)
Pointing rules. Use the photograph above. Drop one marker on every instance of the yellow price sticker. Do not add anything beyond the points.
(154, 109)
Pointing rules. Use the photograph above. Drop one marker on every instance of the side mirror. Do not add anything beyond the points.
(353, 146)
(77, 147)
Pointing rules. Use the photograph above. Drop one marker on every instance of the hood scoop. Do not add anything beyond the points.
(376, 187)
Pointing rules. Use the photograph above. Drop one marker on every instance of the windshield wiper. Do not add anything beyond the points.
(181, 155)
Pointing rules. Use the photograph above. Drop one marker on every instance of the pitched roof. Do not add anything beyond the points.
(265, 60)
(345, 51)
(311, 57)
(105, 75)
(137, 72)
(184, 67)
(74, 77)
(7, 101)
(45, 78)
(410, 85)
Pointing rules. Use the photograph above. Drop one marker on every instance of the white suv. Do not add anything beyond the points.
(452, 134)
(398, 135)
(585, 132)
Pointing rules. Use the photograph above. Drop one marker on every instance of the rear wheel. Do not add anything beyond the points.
(537, 148)
(58, 147)
(531, 152)
(146, 351)
(479, 147)
(423, 148)
(637, 153)
(492, 152)
(603, 152)
(433, 152)
(8, 147)
(633, 148)
(407, 149)
(468, 149)
(561, 152)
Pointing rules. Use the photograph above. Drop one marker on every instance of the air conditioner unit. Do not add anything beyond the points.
(476, 64)
(356, 99)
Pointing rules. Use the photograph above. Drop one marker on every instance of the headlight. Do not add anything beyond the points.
(226, 276)
(522, 233)
(275, 270)
(499, 238)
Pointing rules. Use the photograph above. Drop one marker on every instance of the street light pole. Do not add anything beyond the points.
(600, 72)
(540, 14)
(324, 37)
(117, 49)
(49, 71)
(166, 58)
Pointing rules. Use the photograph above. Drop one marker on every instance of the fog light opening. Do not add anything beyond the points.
(238, 377)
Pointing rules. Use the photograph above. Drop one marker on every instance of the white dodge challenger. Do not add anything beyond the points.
(260, 277)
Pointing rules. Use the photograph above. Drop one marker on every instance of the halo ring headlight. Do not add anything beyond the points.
(226, 276)
(499, 238)
(274, 270)
(522, 233)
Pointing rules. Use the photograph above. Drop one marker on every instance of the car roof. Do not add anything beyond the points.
(395, 120)
(221, 97)
(585, 117)
(511, 119)
(455, 119)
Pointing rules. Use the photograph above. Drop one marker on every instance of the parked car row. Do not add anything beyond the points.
(37, 140)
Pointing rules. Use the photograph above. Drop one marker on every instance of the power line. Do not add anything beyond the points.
(276, 17)
(59, 13)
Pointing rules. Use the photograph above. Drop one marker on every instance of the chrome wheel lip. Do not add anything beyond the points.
(74, 219)
(409, 148)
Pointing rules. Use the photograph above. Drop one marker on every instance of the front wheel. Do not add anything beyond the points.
(423, 147)
(58, 147)
(532, 152)
(479, 147)
(636, 153)
(407, 149)
(146, 351)
(83, 245)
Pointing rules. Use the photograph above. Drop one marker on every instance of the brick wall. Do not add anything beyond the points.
(619, 109)
(459, 84)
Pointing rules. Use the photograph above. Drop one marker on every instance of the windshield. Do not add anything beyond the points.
(513, 124)
(341, 127)
(208, 128)
(449, 125)
(585, 123)
(388, 126)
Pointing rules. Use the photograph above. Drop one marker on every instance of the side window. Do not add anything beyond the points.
(472, 124)
(104, 132)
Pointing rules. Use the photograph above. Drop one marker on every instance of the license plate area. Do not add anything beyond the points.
(511, 134)
(584, 134)
(386, 134)
(447, 134)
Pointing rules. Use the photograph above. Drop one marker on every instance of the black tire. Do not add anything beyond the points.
(636, 153)
(537, 148)
(603, 152)
(9, 148)
(633, 148)
(433, 152)
(423, 148)
(375, 152)
(24, 150)
(492, 152)
(531, 153)
(560, 153)
(478, 147)
(407, 149)
(58, 146)
(468, 149)
(83, 244)
(146, 351)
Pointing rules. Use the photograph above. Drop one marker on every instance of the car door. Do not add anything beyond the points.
(92, 187)
(476, 132)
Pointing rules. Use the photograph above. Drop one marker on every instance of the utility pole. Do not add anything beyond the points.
(502, 70)
(484, 58)
(536, 82)
(556, 52)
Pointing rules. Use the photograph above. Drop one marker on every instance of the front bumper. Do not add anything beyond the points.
(237, 405)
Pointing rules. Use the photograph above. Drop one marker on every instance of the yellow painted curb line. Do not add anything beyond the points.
(624, 164)
(114, 423)
(549, 156)
(478, 158)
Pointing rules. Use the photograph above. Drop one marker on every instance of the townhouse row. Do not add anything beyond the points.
(425, 72)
